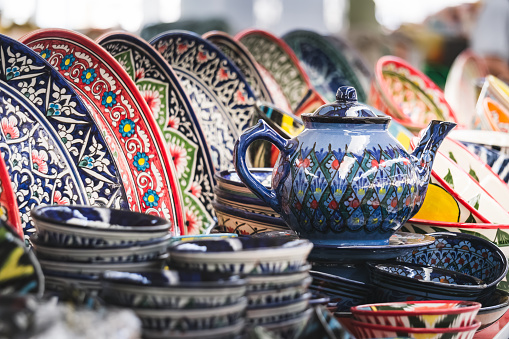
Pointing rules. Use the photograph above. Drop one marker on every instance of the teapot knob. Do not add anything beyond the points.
(346, 93)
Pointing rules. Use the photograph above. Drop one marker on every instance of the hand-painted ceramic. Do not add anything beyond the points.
(225, 332)
(463, 253)
(419, 314)
(365, 331)
(9, 211)
(398, 131)
(493, 309)
(495, 159)
(326, 67)
(277, 313)
(277, 94)
(399, 244)
(290, 328)
(461, 90)
(241, 57)
(124, 117)
(269, 281)
(269, 298)
(211, 236)
(493, 116)
(243, 203)
(286, 124)
(282, 63)
(496, 140)
(221, 97)
(408, 95)
(344, 180)
(51, 146)
(499, 90)
(175, 116)
(230, 182)
(323, 325)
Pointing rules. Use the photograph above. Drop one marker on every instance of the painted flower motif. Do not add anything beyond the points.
(139, 74)
(193, 222)
(181, 48)
(92, 194)
(153, 100)
(151, 198)
(17, 160)
(45, 53)
(12, 72)
(240, 96)
(201, 57)
(54, 109)
(67, 138)
(59, 199)
(87, 162)
(141, 161)
(173, 122)
(88, 76)
(126, 127)
(9, 127)
(222, 74)
(39, 161)
(109, 99)
(67, 62)
(195, 189)
(179, 157)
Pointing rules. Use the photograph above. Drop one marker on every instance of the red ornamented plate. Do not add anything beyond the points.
(9, 211)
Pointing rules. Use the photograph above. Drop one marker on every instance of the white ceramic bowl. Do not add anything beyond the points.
(277, 313)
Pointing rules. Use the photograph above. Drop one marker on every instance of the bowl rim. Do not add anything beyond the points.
(474, 326)
(472, 306)
(436, 223)
(219, 176)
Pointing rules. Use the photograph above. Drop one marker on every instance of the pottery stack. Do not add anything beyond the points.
(76, 244)
(275, 269)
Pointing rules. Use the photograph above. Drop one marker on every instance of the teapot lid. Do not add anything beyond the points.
(346, 105)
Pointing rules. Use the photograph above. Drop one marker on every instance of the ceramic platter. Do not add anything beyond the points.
(221, 97)
(9, 211)
(277, 58)
(326, 67)
(53, 150)
(175, 116)
(400, 243)
(123, 116)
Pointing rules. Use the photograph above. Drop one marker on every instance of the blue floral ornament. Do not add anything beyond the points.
(126, 127)
(53, 109)
(151, 198)
(87, 161)
(141, 161)
(67, 62)
(109, 99)
(46, 53)
(88, 76)
(11, 72)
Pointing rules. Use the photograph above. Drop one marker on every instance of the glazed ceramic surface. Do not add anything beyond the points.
(225, 332)
(344, 179)
(241, 57)
(230, 182)
(265, 282)
(492, 116)
(286, 124)
(176, 118)
(51, 146)
(277, 313)
(405, 93)
(288, 329)
(497, 140)
(272, 297)
(322, 324)
(277, 58)
(123, 116)
(221, 97)
(499, 90)
(493, 158)
(419, 314)
(278, 97)
(326, 67)
(493, 309)
(243, 203)
(9, 211)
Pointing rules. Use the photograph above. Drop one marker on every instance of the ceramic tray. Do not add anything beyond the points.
(278, 58)
(9, 211)
(326, 67)
(124, 117)
(220, 95)
(175, 116)
(52, 148)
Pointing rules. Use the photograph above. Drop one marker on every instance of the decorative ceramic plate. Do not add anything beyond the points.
(326, 67)
(52, 148)
(9, 211)
(399, 244)
(499, 90)
(175, 116)
(243, 60)
(278, 58)
(221, 97)
(492, 116)
(275, 90)
(123, 116)
(497, 161)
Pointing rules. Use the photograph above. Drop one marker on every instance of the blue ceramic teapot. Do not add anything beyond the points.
(344, 180)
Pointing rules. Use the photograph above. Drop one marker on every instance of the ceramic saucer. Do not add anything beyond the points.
(400, 244)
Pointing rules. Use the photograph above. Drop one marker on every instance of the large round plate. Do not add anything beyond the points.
(220, 95)
(175, 116)
(279, 59)
(9, 211)
(326, 67)
(53, 151)
(124, 117)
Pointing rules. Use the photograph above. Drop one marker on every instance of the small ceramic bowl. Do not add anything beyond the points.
(172, 289)
(85, 226)
(191, 319)
(276, 296)
(463, 253)
(226, 332)
(364, 331)
(277, 313)
(211, 236)
(288, 329)
(143, 251)
(277, 281)
(419, 314)
(493, 308)
(229, 181)
(246, 204)
(242, 255)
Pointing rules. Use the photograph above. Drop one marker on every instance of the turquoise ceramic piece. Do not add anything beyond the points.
(344, 180)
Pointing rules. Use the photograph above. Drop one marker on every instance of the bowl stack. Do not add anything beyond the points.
(180, 303)
(417, 319)
(239, 210)
(275, 269)
(76, 244)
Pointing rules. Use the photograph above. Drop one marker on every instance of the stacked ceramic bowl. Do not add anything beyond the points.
(76, 244)
(180, 303)
(239, 210)
(275, 269)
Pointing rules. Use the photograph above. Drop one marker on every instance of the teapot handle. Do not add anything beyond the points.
(261, 131)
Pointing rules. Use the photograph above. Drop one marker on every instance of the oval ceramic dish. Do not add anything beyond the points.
(52, 148)
(123, 116)
(175, 116)
(221, 97)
